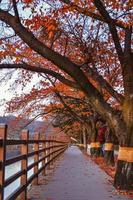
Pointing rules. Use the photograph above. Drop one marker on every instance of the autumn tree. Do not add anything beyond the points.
(82, 44)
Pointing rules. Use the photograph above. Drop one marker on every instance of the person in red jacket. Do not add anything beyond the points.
(101, 132)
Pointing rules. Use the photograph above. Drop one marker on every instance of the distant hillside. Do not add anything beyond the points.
(5, 120)
(33, 127)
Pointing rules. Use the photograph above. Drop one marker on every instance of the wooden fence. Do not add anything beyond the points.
(44, 152)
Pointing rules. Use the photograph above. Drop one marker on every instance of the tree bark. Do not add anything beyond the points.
(124, 172)
(109, 157)
(124, 175)
(84, 138)
(109, 154)
(96, 152)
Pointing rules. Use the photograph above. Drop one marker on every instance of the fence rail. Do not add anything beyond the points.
(44, 152)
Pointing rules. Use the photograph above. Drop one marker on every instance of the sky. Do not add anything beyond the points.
(9, 90)
(6, 93)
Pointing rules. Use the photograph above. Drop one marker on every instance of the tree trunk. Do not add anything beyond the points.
(96, 152)
(84, 138)
(109, 157)
(124, 175)
(109, 148)
(96, 149)
(81, 138)
(124, 172)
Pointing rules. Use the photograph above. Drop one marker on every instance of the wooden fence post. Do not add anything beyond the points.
(3, 136)
(36, 158)
(43, 154)
(55, 143)
(24, 162)
(50, 144)
(52, 150)
(48, 152)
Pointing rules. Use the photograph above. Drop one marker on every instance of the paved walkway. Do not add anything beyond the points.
(75, 178)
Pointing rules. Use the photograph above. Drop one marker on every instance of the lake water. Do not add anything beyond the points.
(11, 170)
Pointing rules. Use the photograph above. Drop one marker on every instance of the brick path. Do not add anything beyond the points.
(75, 178)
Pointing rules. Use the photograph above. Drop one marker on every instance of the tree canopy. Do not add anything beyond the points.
(86, 45)
(81, 51)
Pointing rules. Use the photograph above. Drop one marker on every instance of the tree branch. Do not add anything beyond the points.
(94, 96)
(128, 41)
(91, 14)
(40, 70)
(103, 83)
(68, 108)
(125, 57)
(112, 26)
(16, 10)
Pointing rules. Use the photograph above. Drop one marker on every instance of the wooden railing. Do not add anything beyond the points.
(44, 152)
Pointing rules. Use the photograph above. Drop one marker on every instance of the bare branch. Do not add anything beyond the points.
(36, 117)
